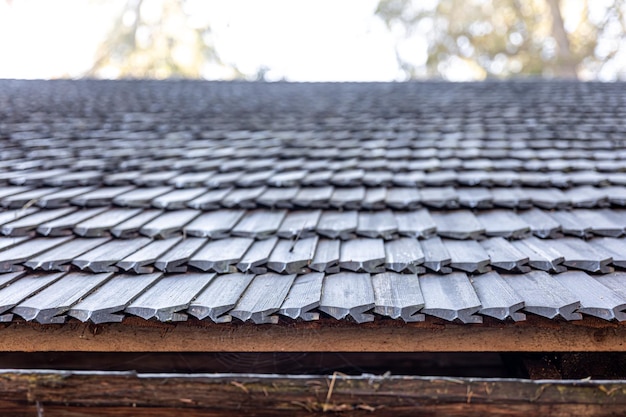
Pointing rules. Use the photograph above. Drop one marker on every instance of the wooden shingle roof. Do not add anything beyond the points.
(274, 203)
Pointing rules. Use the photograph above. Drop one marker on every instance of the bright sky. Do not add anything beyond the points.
(304, 40)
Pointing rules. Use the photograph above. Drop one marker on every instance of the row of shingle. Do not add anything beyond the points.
(580, 128)
(142, 255)
(503, 108)
(368, 198)
(107, 297)
(334, 224)
(342, 154)
(326, 173)
(395, 132)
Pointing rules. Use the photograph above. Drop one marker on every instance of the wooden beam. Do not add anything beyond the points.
(138, 335)
(473, 364)
(52, 393)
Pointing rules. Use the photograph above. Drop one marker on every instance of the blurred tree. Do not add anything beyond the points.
(474, 39)
(159, 39)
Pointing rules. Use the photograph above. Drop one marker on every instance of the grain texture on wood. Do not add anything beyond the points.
(536, 334)
(73, 393)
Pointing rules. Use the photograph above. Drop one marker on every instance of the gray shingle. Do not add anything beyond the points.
(169, 296)
(259, 224)
(34, 177)
(15, 255)
(74, 179)
(504, 255)
(287, 178)
(458, 224)
(62, 197)
(29, 197)
(348, 177)
(326, 257)
(347, 198)
(216, 224)
(603, 222)
(254, 179)
(379, 224)
(338, 224)
(219, 297)
(439, 197)
(278, 197)
(103, 257)
(614, 281)
(398, 296)
(615, 248)
(474, 197)
(106, 303)
(374, 198)
(361, 254)
(300, 223)
(24, 287)
(510, 198)
(417, 223)
(545, 296)
(318, 178)
(190, 179)
(131, 227)
(348, 293)
(59, 257)
(169, 223)
(262, 298)
(292, 257)
(177, 199)
(570, 224)
(580, 255)
(403, 198)
(497, 297)
(140, 262)
(404, 254)
(408, 179)
(440, 179)
(48, 305)
(503, 223)
(450, 297)
(548, 198)
(8, 242)
(64, 225)
(6, 191)
(24, 225)
(541, 224)
(541, 255)
(243, 197)
(175, 260)
(467, 256)
(210, 200)
(100, 196)
(436, 256)
(256, 257)
(376, 178)
(587, 196)
(616, 195)
(139, 197)
(221, 255)
(103, 222)
(595, 299)
(305, 295)
(314, 197)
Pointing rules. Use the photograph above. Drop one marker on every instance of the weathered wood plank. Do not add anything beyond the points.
(110, 393)
(536, 334)
(452, 410)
